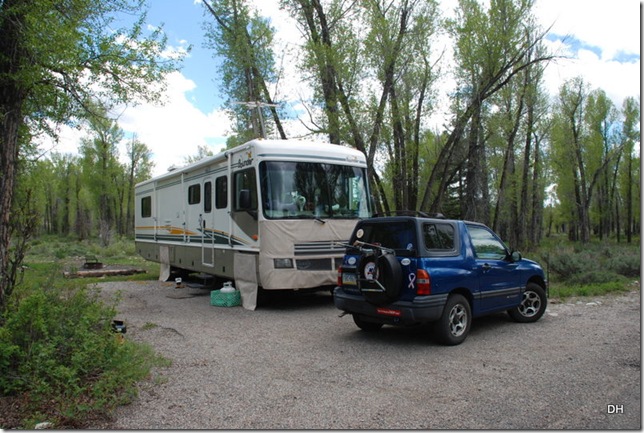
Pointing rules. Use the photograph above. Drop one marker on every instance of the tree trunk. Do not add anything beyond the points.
(12, 97)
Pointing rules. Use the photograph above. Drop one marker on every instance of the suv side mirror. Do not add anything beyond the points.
(516, 256)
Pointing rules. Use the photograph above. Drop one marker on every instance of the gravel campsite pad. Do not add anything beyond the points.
(294, 364)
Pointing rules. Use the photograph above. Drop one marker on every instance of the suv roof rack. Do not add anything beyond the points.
(415, 213)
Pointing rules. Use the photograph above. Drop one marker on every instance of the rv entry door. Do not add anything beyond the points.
(206, 224)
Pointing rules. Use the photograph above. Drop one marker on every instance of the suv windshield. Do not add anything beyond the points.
(313, 190)
(399, 236)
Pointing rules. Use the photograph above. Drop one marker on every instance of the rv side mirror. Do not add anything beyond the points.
(244, 199)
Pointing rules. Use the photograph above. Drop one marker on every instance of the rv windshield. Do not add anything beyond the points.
(313, 190)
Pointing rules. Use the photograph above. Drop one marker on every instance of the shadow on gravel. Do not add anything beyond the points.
(423, 335)
(291, 300)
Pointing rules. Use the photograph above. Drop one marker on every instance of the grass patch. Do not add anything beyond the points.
(66, 254)
(148, 326)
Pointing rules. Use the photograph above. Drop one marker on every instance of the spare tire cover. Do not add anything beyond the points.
(385, 269)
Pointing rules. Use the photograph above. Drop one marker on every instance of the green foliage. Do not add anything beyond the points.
(60, 354)
(590, 269)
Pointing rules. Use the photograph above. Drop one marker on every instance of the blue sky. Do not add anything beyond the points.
(183, 23)
(600, 38)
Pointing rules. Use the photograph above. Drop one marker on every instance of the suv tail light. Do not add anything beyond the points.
(423, 283)
(340, 275)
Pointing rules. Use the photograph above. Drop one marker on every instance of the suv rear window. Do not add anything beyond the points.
(397, 236)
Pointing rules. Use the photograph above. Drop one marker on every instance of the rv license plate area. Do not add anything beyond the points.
(348, 279)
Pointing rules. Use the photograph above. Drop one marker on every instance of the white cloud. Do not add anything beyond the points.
(67, 143)
(613, 26)
(171, 131)
(595, 33)
(176, 129)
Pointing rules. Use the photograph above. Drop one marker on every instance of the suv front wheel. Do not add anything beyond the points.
(454, 325)
(532, 306)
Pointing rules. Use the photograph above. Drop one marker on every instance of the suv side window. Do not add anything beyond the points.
(439, 237)
(486, 244)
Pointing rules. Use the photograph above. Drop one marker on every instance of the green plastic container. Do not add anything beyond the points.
(224, 299)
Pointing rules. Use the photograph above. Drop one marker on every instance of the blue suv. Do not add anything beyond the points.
(407, 270)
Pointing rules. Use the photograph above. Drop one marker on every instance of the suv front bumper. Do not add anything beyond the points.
(421, 309)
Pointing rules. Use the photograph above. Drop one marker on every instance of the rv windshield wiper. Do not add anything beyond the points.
(320, 220)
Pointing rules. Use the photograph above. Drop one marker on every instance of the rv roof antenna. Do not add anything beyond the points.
(258, 105)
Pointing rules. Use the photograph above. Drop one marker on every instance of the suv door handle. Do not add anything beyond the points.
(486, 267)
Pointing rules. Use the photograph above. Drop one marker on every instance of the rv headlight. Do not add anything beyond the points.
(283, 263)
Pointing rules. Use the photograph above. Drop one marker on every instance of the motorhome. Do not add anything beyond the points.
(273, 213)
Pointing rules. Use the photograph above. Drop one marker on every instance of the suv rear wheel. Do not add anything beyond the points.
(454, 325)
(366, 326)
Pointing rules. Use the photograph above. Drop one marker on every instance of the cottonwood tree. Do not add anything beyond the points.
(570, 157)
(402, 33)
(493, 44)
(587, 151)
(603, 143)
(101, 170)
(515, 161)
(56, 57)
(369, 65)
(202, 152)
(243, 41)
(629, 180)
(137, 169)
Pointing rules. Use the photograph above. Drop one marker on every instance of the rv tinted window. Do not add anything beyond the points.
(146, 207)
(245, 180)
(207, 197)
(194, 194)
(221, 191)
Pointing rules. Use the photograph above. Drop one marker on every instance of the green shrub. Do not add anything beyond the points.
(566, 264)
(626, 265)
(594, 277)
(591, 269)
(570, 263)
(58, 349)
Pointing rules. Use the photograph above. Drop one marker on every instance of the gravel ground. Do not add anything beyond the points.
(294, 364)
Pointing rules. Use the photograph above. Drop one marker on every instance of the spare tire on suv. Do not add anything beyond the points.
(379, 276)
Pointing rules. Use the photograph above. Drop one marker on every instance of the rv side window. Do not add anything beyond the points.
(194, 194)
(146, 207)
(207, 197)
(221, 191)
(245, 180)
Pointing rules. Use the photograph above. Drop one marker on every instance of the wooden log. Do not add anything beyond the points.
(94, 273)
